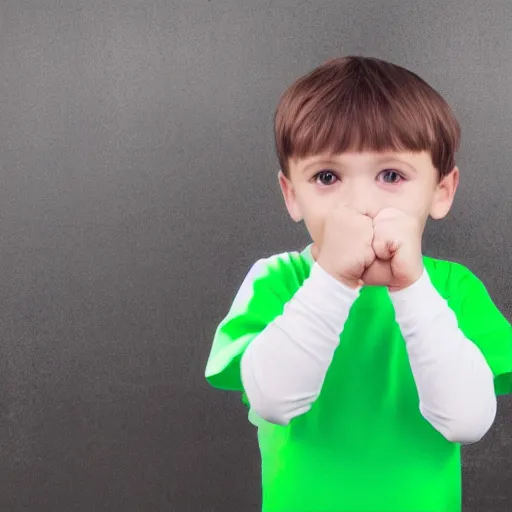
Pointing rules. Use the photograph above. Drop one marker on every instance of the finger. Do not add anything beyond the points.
(386, 249)
(393, 246)
(369, 257)
(378, 274)
(381, 248)
(371, 212)
(387, 214)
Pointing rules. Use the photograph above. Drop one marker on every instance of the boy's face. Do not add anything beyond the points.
(367, 182)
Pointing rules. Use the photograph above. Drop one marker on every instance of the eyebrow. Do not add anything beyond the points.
(379, 161)
(392, 160)
(315, 163)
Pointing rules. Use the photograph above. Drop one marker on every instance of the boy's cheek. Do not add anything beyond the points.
(315, 226)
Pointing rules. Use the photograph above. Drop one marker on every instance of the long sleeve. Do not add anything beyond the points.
(284, 367)
(454, 381)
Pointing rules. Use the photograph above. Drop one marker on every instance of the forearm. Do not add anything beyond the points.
(455, 384)
(284, 367)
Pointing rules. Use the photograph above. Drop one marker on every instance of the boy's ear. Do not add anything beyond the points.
(444, 195)
(289, 196)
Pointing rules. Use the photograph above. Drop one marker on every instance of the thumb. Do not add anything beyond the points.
(371, 212)
(393, 246)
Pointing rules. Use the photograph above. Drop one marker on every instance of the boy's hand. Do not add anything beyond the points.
(345, 250)
(397, 247)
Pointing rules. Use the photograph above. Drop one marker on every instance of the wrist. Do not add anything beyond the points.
(408, 282)
(351, 283)
(354, 284)
(335, 282)
(413, 288)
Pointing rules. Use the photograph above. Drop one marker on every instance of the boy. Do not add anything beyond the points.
(365, 365)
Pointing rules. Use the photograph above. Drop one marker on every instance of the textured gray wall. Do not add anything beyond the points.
(138, 185)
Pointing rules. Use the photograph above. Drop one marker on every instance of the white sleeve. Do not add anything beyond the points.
(455, 384)
(284, 367)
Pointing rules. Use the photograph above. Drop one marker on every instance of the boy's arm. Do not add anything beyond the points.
(284, 367)
(454, 381)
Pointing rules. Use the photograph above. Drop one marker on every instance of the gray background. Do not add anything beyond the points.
(139, 184)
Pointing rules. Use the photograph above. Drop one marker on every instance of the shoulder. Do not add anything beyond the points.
(268, 285)
(288, 263)
(279, 275)
(451, 279)
(465, 293)
(478, 317)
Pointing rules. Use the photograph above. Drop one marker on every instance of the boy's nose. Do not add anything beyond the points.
(362, 201)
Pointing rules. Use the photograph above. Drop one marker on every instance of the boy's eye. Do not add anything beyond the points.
(326, 177)
(390, 176)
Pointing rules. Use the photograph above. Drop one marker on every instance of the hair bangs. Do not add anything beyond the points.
(357, 104)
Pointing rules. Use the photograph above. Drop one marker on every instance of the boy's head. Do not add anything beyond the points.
(367, 133)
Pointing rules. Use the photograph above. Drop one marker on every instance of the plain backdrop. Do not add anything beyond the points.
(139, 184)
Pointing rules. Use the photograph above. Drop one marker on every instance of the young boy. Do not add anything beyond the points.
(365, 364)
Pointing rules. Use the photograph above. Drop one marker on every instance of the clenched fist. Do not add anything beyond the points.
(381, 251)
(397, 246)
(345, 249)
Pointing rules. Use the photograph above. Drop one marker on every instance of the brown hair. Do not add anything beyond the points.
(363, 103)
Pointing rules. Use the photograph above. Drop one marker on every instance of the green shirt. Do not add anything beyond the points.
(364, 445)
